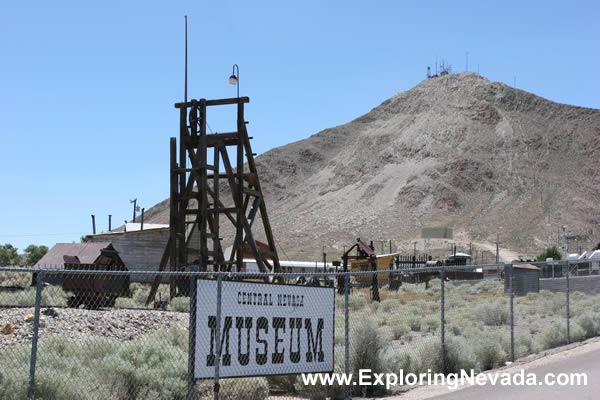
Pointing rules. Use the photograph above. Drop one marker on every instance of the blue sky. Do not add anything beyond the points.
(87, 92)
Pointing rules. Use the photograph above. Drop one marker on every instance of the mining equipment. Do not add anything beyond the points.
(365, 253)
(95, 290)
(203, 195)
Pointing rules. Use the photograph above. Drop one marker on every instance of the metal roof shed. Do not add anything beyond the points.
(526, 279)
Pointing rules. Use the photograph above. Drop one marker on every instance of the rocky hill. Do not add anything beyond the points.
(460, 151)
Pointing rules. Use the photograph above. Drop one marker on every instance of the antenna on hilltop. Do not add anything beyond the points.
(515, 81)
(467, 62)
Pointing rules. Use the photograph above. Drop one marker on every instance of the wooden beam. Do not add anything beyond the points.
(217, 102)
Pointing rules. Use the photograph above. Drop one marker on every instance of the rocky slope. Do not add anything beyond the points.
(459, 151)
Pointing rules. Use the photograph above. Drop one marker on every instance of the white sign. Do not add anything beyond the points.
(266, 329)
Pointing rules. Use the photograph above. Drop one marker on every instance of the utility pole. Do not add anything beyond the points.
(109, 222)
(390, 246)
(134, 201)
(564, 246)
(415, 249)
(471, 249)
(324, 260)
(497, 248)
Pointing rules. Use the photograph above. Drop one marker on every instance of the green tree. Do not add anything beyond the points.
(34, 253)
(8, 254)
(550, 252)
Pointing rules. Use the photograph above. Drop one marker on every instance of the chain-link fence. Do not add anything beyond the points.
(77, 334)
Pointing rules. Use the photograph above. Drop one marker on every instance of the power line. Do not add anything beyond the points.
(41, 234)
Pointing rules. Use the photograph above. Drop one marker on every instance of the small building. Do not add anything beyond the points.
(101, 253)
(526, 279)
(86, 253)
(459, 258)
(140, 250)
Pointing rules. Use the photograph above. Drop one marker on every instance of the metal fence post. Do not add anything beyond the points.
(192, 340)
(512, 312)
(443, 316)
(34, 340)
(218, 338)
(568, 316)
(346, 332)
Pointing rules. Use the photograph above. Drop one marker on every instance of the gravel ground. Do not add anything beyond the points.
(121, 325)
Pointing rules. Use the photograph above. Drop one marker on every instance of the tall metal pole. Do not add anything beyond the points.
(192, 339)
(568, 311)
(34, 339)
(443, 318)
(512, 312)
(109, 222)
(346, 327)
(186, 62)
(218, 338)
(93, 224)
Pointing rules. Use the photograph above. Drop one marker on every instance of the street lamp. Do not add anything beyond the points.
(235, 79)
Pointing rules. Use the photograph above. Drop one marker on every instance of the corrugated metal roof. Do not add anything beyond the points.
(86, 252)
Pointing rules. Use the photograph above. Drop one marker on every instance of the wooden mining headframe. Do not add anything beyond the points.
(201, 194)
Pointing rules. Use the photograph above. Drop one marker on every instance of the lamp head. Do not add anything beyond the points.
(233, 80)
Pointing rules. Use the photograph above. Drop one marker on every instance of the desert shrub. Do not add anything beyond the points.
(140, 296)
(399, 330)
(286, 383)
(375, 305)
(431, 322)
(523, 345)
(14, 373)
(533, 328)
(489, 350)
(321, 392)
(531, 296)
(493, 313)
(577, 332)
(180, 304)
(366, 352)
(459, 355)
(174, 336)
(244, 389)
(402, 360)
(388, 305)
(153, 368)
(54, 296)
(415, 324)
(18, 279)
(590, 323)
(488, 286)
(556, 335)
(25, 298)
(148, 368)
(429, 355)
(398, 326)
(454, 328)
(339, 332)
(357, 302)
(125, 302)
(381, 319)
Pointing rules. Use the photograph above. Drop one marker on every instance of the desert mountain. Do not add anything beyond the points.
(459, 151)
